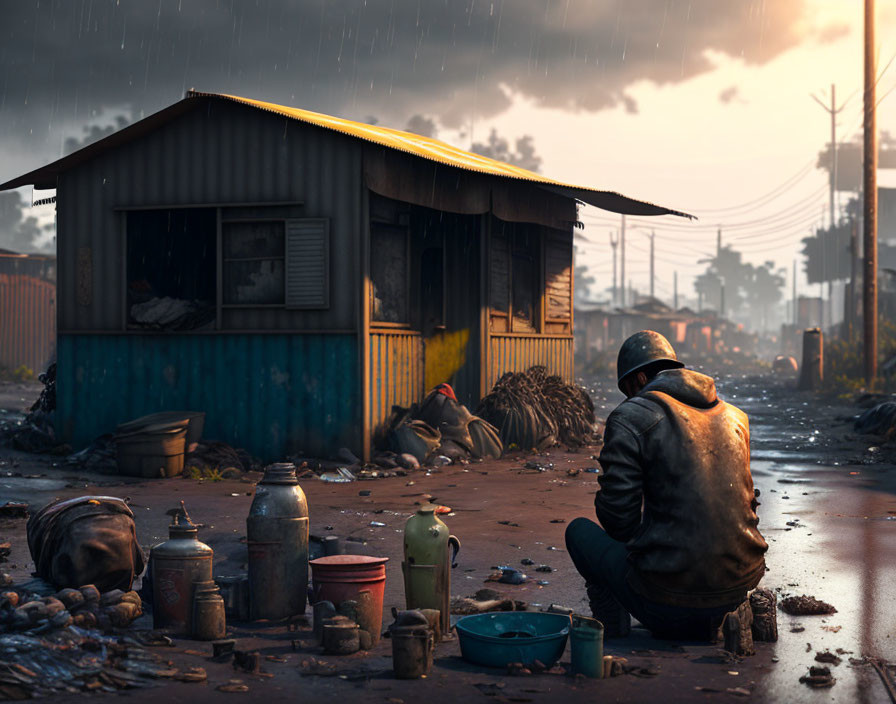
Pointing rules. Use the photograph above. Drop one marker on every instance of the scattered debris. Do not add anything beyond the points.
(763, 604)
(737, 630)
(14, 509)
(72, 659)
(879, 420)
(827, 657)
(485, 600)
(341, 476)
(210, 457)
(806, 606)
(233, 687)
(819, 678)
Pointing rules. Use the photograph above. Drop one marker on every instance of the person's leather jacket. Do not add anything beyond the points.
(684, 455)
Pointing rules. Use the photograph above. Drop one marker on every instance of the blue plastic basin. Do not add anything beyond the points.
(499, 638)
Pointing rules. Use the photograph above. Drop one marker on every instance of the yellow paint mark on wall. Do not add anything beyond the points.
(444, 354)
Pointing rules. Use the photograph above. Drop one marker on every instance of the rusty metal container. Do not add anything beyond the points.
(277, 536)
(176, 565)
(427, 564)
(209, 621)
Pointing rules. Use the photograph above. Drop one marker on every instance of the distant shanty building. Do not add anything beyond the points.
(295, 275)
(27, 311)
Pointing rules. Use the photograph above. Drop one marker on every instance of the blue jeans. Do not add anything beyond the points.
(604, 562)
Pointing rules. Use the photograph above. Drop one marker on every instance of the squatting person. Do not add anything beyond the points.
(678, 545)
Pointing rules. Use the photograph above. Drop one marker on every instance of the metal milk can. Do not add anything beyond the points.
(176, 564)
(277, 536)
(427, 566)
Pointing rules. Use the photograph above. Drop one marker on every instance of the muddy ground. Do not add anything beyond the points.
(828, 511)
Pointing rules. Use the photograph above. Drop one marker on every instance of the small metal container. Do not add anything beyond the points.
(341, 636)
(323, 611)
(177, 564)
(209, 621)
(412, 651)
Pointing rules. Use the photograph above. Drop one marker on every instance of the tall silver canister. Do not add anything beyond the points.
(277, 536)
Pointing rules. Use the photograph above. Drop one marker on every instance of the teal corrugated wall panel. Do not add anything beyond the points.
(271, 394)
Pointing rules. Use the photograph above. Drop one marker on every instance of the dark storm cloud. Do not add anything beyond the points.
(67, 61)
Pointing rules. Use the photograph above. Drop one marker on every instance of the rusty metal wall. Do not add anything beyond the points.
(27, 321)
(271, 394)
(218, 153)
(396, 372)
(516, 353)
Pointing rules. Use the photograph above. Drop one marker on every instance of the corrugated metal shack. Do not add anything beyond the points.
(294, 274)
(27, 310)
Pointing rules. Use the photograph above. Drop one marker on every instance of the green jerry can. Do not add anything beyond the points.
(427, 565)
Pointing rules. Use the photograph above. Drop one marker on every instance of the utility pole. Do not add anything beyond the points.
(853, 278)
(833, 111)
(794, 295)
(614, 242)
(622, 259)
(721, 278)
(675, 293)
(869, 167)
(652, 277)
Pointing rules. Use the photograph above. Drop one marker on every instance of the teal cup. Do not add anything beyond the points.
(586, 639)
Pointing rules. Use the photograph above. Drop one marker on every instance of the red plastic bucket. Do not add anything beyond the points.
(359, 578)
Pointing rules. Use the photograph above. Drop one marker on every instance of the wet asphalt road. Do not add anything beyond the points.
(812, 473)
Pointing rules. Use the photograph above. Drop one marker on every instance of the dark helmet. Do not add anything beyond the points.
(641, 349)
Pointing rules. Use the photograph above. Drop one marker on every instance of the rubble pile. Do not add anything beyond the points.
(23, 611)
(74, 660)
(534, 411)
(219, 457)
(438, 431)
(879, 420)
(806, 606)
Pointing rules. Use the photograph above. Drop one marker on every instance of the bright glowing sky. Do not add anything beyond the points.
(687, 149)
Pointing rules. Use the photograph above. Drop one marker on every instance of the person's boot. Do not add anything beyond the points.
(606, 609)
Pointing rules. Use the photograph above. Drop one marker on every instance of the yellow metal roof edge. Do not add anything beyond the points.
(379, 135)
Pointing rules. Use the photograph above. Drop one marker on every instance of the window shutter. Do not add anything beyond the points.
(558, 278)
(308, 263)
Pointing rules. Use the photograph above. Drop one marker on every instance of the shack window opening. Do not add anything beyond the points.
(254, 262)
(389, 273)
(524, 278)
(171, 269)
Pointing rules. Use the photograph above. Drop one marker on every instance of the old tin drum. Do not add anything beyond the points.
(500, 638)
(177, 564)
(359, 578)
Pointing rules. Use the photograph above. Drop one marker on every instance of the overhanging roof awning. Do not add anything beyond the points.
(417, 145)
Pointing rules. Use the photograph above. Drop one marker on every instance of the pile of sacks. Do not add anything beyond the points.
(85, 607)
(534, 411)
(440, 426)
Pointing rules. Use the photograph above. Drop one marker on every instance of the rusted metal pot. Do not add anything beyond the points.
(412, 649)
(277, 536)
(359, 578)
(176, 565)
(341, 636)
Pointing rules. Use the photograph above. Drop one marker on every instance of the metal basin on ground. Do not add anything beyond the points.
(499, 638)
